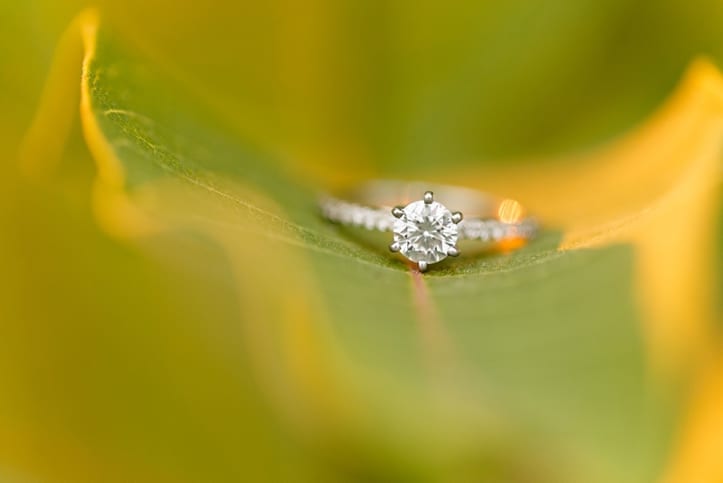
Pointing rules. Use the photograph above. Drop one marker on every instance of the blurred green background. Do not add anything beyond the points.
(249, 341)
(401, 82)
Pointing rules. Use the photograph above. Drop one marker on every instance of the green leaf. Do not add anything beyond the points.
(524, 366)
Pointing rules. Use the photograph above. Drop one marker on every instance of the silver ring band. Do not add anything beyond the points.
(486, 218)
(425, 230)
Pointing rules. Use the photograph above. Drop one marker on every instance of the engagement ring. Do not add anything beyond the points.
(424, 230)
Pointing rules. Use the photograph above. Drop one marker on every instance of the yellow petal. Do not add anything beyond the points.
(45, 140)
(697, 456)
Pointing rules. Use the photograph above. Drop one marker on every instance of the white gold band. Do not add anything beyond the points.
(381, 219)
(486, 218)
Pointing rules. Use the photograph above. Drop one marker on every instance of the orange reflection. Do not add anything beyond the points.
(510, 211)
(511, 244)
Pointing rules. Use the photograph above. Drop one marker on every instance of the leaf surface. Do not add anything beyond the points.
(538, 350)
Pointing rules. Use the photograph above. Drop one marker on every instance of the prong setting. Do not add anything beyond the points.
(425, 231)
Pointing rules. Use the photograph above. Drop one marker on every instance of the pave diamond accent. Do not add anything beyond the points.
(425, 232)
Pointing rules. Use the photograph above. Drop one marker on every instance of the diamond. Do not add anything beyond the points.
(425, 232)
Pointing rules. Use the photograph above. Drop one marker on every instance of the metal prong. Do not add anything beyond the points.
(397, 211)
(457, 216)
(453, 252)
(394, 247)
(423, 266)
(428, 197)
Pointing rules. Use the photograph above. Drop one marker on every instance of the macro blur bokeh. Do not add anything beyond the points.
(173, 308)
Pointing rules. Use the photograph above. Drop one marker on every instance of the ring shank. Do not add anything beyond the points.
(486, 218)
